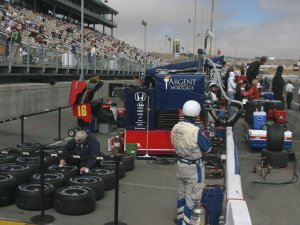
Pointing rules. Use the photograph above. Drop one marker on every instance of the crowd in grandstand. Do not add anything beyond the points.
(52, 33)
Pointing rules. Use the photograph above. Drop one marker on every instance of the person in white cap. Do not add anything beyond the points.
(189, 143)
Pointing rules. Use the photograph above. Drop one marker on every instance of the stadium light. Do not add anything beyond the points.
(81, 44)
(145, 25)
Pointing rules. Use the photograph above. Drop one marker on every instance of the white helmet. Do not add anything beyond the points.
(191, 108)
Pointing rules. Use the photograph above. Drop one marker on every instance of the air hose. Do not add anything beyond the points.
(236, 115)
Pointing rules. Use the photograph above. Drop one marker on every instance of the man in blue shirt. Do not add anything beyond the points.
(84, 145)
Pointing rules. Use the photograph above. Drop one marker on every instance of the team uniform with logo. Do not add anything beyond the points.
(189, 143)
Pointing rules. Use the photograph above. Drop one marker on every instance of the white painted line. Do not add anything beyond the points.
(149, 186)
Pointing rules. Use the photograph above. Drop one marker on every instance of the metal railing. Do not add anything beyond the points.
(30, 56)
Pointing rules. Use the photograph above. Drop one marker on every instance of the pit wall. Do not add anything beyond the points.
(28, 98)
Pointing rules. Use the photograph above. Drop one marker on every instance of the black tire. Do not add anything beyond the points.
(4, 158)
(21, 172)
(34, 162)
(108, 177)
(28, 196)
(56, 179)
(74, 200)
(71, 133)
(67, 170)
(8, 185)
(128, 161)
(11, 151)
(275, 137)
(93, 182)
(51, 155)
(111, 165)
(276, 159)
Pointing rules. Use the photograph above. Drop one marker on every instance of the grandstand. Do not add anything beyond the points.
(51, 40)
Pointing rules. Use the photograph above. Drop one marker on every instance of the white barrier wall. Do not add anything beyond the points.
(237, 212)
(27, 98)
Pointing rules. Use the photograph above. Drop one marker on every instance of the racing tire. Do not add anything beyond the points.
(128, 161)
(275, 137)
(74, 200)
(28, 196)
(71, 133)
(21, 172)
(276, 159)
(8, 185)
(56, 179)
(93, 182)
(4, 158)
(111, 165)
(34, 162)
(67, 170)
(108, 177)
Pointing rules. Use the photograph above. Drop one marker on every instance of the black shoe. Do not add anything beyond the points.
(175, 220)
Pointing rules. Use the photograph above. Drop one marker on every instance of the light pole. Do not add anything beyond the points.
(81, 43)
(145, 25)
(211, 24)
(166, 43)
(169, 39)
(195, 28)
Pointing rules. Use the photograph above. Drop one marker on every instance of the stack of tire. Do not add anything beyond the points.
(64, 188)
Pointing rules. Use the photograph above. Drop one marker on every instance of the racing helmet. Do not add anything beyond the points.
(191, 108)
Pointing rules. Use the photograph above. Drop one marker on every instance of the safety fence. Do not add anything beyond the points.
(237, 212)
(38, 125)
(65, 60)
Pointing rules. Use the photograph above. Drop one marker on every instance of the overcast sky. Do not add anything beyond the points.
(245, 28)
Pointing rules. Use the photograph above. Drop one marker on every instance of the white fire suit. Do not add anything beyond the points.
(189, 143)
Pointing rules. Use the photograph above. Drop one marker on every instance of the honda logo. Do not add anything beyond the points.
(140, 96)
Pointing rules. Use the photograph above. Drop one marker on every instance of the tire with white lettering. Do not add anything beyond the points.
(111, 165)
(74, 200)
(128, 161)
(34, 162)
(21, 172)
(56, 179)
(108, 177)
(8, 185)
(67, 170)
(4, 158)
(28, 196)
(93, 182)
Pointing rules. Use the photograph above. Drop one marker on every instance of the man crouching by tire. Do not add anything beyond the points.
(189, 143)
(84, 145)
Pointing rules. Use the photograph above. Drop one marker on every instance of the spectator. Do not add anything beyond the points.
(278, 84)
(289, 94)
(253, 69)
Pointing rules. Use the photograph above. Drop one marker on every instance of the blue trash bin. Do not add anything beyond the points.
(212, 199)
